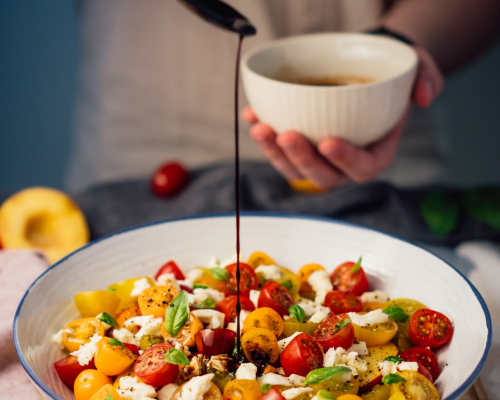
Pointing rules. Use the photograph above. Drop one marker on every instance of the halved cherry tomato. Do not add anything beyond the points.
(275, 296)
(304, 273)
(80, 331)
(171, 267)
(152, 368)
(187, 335)
(415, 386)
(266, 318)
(345, 280)
(123, 289)
(259, 258)
(128, 313)
(155, 300)
(242, 389)
(301, 355)
(228, 306)
(260, 346)
(213, 393)
(290, 326)
(133, 348)
(376, 354)
(94, 302)
(248, 280)
(169, 179)
(68, 368)
(329, 335)
(336, 388)
(212, 342)
(88, 382)
(430, 328)
(273, 394)
(105, 392)
(349, 397)
(343, 302)
(377, 392)
(371, 306)
(424, 357)
(375, 334)
(112, 359)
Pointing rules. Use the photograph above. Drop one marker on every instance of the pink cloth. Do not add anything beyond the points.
(18, 269)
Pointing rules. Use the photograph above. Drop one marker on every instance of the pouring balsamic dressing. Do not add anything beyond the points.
(223, 16)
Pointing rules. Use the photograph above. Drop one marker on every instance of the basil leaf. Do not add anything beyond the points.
(219, 273)
(396, 313)
(111, 290)
(177, 314)
(207, 303)
(343, 323)
(393, 359)
(440, 212)
(297, 312)
(198, 286)
(115, 342)
(286, 284)
(110, 397)
(322, 374)
(355, 268)
(108, 319)
(265, 388)
(483, 204)
(392, 378)
(324, 395)
(177, 357)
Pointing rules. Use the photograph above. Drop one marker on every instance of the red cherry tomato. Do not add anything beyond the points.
(168, 179)
(329, 334)
(275, 296)
(152, 368)
(228, 306)
(212, 342)
(425, 358)
(248, 280)
(171, 267)
(344, 280)
(273, 394)
(429, 328)
(301, 355)
(68, 369)
(133, 348)
(343, 302)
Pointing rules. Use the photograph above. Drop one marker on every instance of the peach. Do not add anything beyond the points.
(44, 219)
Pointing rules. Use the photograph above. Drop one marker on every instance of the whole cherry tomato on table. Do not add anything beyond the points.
(171, 267)
(335, 331)
(248, 280)
(275, 296)
(343, 302)
(168, 179)
(424, 357)
(301, 355)
(228, 306)
(429, 328)
(69, 368)
(348, 278)
(151, 367)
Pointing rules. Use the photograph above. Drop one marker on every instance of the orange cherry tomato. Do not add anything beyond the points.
(259, 258)
(69, 368)
(187, 335)
(275, 296)
(155, 299)
(242, 389)
(304, 273)
(260, 346)
(80, 331)
(430, 328)
(343, 302)
(104, 393)
(151, 367)
(227, 306)
(266, 318)
(248, 280)
(128, 313)
(89, 382)
(345, 280)
(112, 359)
(334, 332)
(301, 355)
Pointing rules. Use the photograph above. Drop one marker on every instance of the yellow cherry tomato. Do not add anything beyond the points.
(259, 258)
(266, 318)
(187, 335)
(208, 279)
(94, 302)
(304, 273)
(291, 326)
(260, 346)
(88, 382)
(128, 313)
(376, 334)
(80, 331)
(242, 389)
(377, 392)
(123, 289)
(155, 300)
(104, 393)
(349, 397)
(376, 354)
(213, 393)
(290, 281)
(336, 388)
(112, 359)
(415, 387)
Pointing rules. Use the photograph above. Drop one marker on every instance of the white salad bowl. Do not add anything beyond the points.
(393, 265)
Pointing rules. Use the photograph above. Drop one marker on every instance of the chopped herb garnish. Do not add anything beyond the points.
(322, 374)
(297, 312)
(355, 268)
(115, 342)
(207, 303)
(110, 397)
(343, 323)
(396, 313)
(265, 388)
(286, 284)
(198, 286)
(177, 357)
(392, 378)
(108, 319)
(393, 359)
(219, 273)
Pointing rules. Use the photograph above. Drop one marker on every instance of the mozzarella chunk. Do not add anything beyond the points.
(388, 367)
(376, 295)
(130, 389)
(284, 342)
(204, 294)
(87, 351)
(319, 316)
(243, 315)
(295, 392)
(182, 348)
(166, 392)
(307, 305)
(371, 318)
(139, 286)
(254, 297)
(214, 319)
(269, 272)
(186, 282)
(247, 371)
(125, 336)
(274, 379)
(195, 388)
(320, 283)
(296, 380)
(149, 325)
(168, 280)
(360, 348)
(339, 356)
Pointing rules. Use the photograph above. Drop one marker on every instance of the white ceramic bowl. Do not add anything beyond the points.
(360, 114)
(398, 267)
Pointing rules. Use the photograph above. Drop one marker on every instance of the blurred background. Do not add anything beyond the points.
(38, 83)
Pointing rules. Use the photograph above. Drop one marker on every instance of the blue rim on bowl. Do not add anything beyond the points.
(458, 392)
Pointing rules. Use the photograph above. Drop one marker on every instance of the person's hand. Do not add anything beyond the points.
(336, 161)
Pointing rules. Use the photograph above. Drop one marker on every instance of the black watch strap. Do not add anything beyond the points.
(395, 35)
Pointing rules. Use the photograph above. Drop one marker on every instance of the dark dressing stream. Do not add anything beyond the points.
(223, 16)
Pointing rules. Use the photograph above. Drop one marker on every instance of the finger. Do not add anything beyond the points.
(265, 138)
(308, 162)
(429, 82)
(249, 116)
(362, 165)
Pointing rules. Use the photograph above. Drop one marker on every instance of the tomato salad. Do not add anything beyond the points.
(311, 335)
